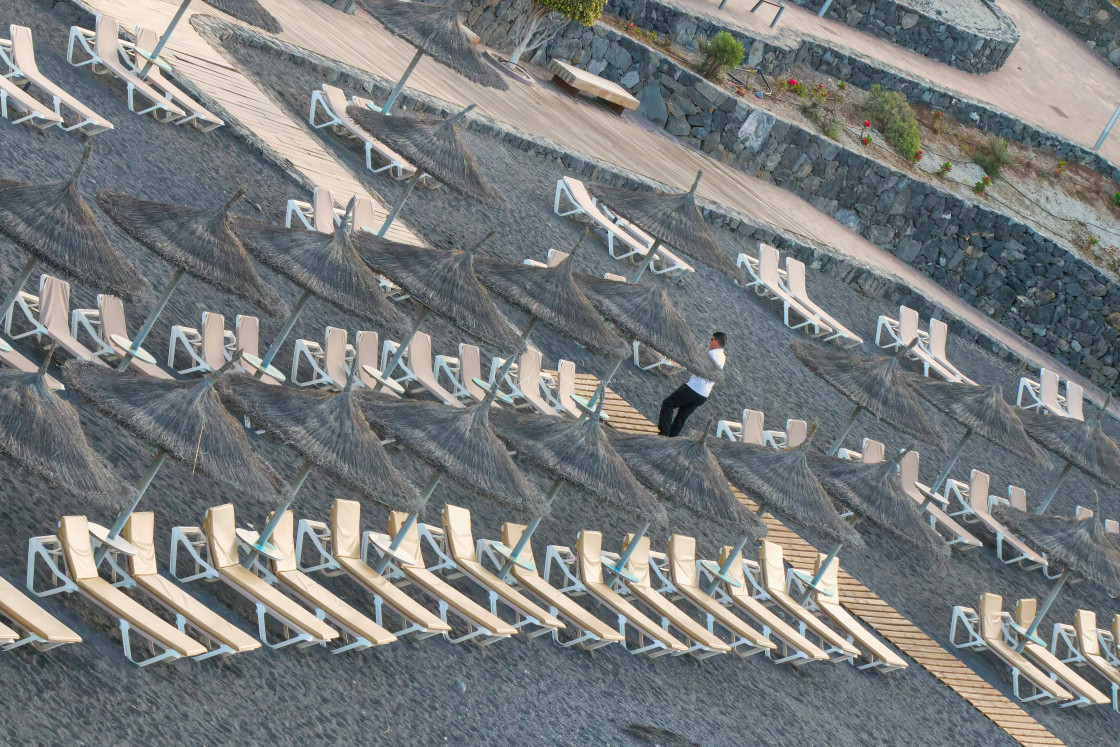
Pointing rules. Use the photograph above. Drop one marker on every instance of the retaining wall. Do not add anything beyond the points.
(1096, 22)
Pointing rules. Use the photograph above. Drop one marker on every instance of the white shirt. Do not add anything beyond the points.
(702, 386)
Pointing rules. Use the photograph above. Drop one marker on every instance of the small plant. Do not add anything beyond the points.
(937, 117)
(865, 133)
(819, 93)
(1116, 199)
(918, 155)
(895, 119)
(841, 85)
(720, 52)
(818, 112)
(740, 93)
(980, 186)
(793, 85)
(1092, 241)
(995, 157)
(1061, 167)
(945, 169)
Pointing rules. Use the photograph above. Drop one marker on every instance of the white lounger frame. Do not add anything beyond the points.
(1063, 644)
(86, 39)
(319, 105)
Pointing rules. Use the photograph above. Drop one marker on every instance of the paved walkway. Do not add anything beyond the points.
(864, 603)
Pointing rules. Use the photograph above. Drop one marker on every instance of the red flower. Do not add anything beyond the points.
(866, 123)
(792, 82)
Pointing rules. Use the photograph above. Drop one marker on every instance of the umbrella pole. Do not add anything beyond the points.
(1042, 611)
(1054, 489)
(402, 348)
(398, 538)
(408, 187)
(601, 390)
(526, 535)
(624, 558)
(142, 488)
(142, 335)
(952, 461)
(154, 55)
(277, 513)
(812, 585)
(726, 565)
(400, 83)
(17, 286)
(510, 360)
(845, 431)
(649, 261)
(284, 332)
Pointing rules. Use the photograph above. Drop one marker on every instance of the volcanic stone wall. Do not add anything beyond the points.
(1096, 22)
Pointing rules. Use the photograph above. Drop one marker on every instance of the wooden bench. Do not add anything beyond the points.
(575, 81)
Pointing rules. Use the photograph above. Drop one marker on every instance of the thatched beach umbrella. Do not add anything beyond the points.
(435, 30)
(579, 454)
(684, 471)
(1082, 444)
(331, 434)
(672, 219)
(40, 432)
(249, 11)
(458, 443)
(181, 419)
(983, 412)
(54, 225)
(1081, 547)
(432, 145)
(195, 241)
(873, 384)
(324, 265)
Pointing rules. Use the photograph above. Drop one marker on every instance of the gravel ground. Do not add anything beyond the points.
(967, 14)
(431, 691)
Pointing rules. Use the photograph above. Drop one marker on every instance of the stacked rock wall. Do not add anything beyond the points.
(1096, 22)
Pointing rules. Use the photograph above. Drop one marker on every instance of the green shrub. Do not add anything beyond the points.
(823, 117)
(720, 52)
(1116, 199)
(586, 12)
(894, 117)
(994, 157)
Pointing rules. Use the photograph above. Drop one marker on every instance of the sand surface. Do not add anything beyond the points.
(407, 693)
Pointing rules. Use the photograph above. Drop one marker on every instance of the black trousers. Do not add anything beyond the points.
(684, 400)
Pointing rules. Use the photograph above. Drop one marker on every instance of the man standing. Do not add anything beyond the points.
(690, 395)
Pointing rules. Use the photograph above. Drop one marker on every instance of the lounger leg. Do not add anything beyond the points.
(40, 644)
(48, 551)
(201, 566)
(126, 644)
(302, 639)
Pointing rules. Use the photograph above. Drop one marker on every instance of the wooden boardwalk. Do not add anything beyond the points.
(861, 601)
(195, 59)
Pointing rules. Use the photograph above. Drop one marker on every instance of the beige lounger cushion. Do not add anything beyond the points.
(991, 632)
(23, 55)
(140, 531)
(771, 560)
(460, 544)
(589, 548)
(54, 315)
(682, 571)
(7, 634)
(73, 533)
(532, 582)
(831, 608)
(762, 614)
(32, 617)
(220, 528)
(436, 587)
(1085, 624)
(1025, 611)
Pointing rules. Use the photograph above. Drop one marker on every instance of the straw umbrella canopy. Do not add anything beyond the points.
(40, 433)
(873, 384)
(646, 314)
(249, 11)
(196, 241)
(550, 295)
(457, 442)
(432, 145)
(1080, 547)
(435, 30)
(325, 265)
(1082, 444)
(983, 412)
(183, 419)
(672, 219)
(53, 224)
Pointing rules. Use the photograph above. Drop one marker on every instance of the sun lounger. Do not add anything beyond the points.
(748, 430)
(795, 281)
(196, 114)
(950, 530)
(329, 362)
(592, 632)
(772, 591)
(102, 49)
(986, 631)
(563, 396)
(106, 327)
(225, 637)
(973, 500)
(339, 548)
(793, 648)
(767, 283)
(416, 368)
(20, 362)
(1075, 400)
(702, 643)
(454, 546)
(664, 262)
(317, 215)
(1079, 645)
(1084, 692)
(213, 552)
(461, 371)
(18, 106)
(407, 567)
(649, 359)
(365, 358)
(206, 350)
(525, 389)
(938, 338)
(328, 109)
(901, 332)
(69, 556)
(826, 601)
(1043, 396)
(18, 53)
(49, 315)
(582, 573)
(33, 625)
(680, 580)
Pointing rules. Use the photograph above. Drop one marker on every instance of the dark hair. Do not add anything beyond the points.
(721, 338)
